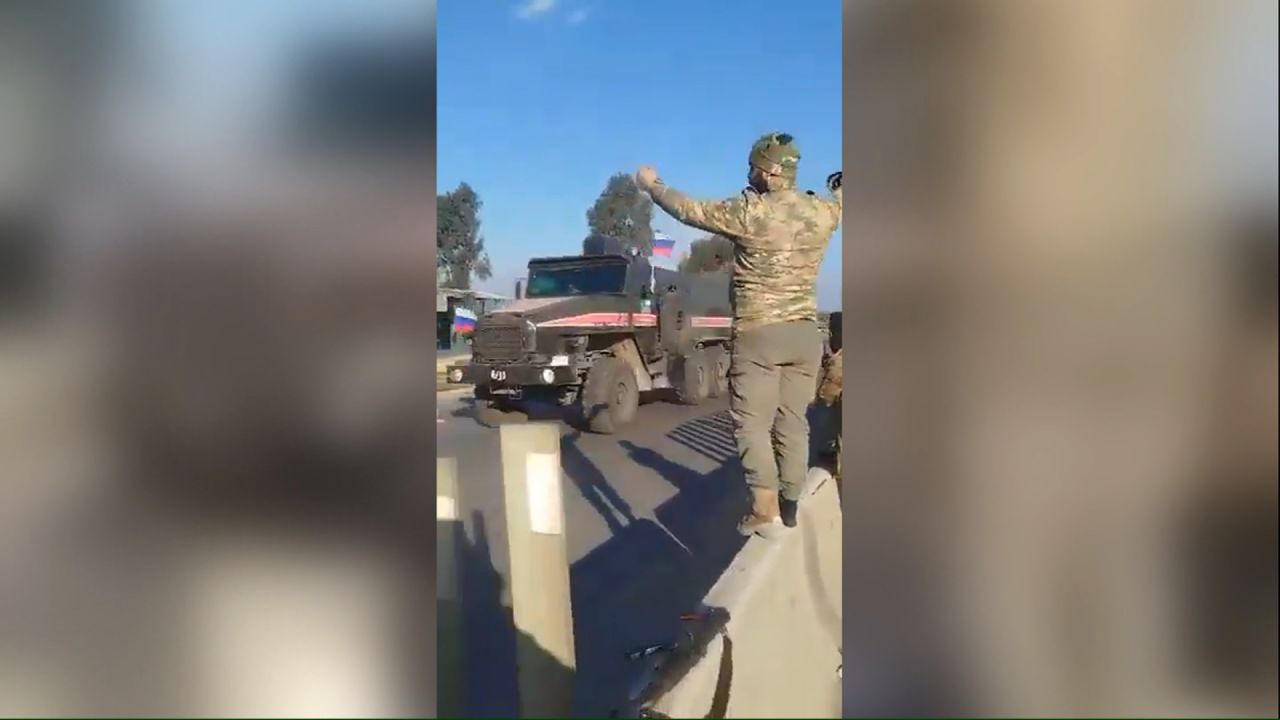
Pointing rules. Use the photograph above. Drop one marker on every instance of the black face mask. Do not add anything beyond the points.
(758, 180)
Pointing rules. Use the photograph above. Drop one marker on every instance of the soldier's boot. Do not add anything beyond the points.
(788, 510)
(764, 518)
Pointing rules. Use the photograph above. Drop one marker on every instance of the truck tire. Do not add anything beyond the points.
(609, 396)
(693, 377)
(718, 361)
(495, 414)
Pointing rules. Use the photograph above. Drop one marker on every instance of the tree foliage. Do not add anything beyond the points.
(625, 212)
(708, 254)
(459, 246)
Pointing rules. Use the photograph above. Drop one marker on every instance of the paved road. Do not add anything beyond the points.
(650, 525)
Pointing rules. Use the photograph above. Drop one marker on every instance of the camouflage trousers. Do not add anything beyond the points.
(773, 376)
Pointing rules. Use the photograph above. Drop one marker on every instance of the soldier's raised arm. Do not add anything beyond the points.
(722, 217)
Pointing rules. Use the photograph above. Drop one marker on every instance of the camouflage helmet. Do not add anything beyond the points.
(776, 154)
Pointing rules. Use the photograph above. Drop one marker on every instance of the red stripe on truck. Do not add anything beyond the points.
(630, 320)
(604, 320)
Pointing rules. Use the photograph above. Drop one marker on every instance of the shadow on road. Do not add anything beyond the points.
(632, 590)
(710, 436)
(492, 642)
(539, 411)
(628, 592)
(525, 411)
(490, 649)
(466, 407)
(593, 485)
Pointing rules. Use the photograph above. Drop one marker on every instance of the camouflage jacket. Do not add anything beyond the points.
(779, 239)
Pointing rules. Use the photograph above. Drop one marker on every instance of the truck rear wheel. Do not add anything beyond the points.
(693, 377)
(718, 361)
(609, 396)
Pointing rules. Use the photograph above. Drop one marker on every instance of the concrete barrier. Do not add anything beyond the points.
(780, 652)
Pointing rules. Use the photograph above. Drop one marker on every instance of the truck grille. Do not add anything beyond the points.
(499, 342)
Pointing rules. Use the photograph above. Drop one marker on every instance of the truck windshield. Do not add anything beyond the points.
(566, 281)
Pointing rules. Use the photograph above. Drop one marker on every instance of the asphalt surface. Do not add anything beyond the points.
(650, 517)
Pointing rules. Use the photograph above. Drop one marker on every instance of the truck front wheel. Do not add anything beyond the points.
(609, 396)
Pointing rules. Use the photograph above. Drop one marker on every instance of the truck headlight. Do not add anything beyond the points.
(455, 375)
(548, 375)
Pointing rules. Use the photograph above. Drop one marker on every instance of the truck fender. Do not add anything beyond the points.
(627, 351)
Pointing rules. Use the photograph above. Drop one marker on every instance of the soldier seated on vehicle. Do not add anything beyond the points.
(829, 395)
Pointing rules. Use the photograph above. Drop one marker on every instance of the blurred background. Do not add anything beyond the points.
(215, 453)
(1060, 306)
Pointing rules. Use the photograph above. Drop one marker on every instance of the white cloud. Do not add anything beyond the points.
(535, 8)
(578, 16)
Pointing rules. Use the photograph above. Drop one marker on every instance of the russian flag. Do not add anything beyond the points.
(663, 246)
(464, 322)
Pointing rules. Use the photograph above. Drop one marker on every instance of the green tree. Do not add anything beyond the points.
(625, 212)
(459, 245)
(708, 254)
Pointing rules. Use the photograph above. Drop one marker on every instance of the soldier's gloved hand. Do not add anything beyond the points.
(834, 180)
(646, 176)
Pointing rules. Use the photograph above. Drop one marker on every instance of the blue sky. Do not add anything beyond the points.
(540, 101)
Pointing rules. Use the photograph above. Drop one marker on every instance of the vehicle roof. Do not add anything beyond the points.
(578, 259)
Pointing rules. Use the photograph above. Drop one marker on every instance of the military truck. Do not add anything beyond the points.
(594, 332)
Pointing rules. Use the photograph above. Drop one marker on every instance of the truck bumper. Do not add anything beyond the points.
(518, 375)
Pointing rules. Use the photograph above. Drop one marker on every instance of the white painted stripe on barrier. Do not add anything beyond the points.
(542, 473)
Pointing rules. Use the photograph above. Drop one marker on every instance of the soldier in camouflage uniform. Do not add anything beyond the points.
(780, 234)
